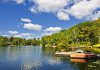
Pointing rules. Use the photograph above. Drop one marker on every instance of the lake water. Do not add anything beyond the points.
(38, 58)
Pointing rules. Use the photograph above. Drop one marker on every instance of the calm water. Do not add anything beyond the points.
(38, 58)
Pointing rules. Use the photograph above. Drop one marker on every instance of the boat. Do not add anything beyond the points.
(81, 54)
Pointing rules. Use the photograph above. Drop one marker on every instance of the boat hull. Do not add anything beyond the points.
(80, 55)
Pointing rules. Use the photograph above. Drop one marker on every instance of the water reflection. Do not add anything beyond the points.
(79, 60)
(82, 60)
(38, 58)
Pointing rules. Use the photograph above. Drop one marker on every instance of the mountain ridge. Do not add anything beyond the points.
(85, 33)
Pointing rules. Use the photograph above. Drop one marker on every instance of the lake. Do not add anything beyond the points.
(38, 58)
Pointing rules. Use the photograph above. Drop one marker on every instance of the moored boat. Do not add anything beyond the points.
(81, 54)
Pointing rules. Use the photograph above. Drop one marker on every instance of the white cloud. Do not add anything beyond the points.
(94, 16)
(32, 26)
(25, 20)
(84, 8)
(12, 32)
(33, 9)
(47, 33)
(17, 36)
(16, 1)
(78, 8)
(49, 5)
(53, 29)
(24, 35)
(63, 15)
(29, 37)
(19, 1)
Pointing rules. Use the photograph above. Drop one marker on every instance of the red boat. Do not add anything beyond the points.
(81, 54)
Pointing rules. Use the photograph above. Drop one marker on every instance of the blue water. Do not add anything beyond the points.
(38, 58)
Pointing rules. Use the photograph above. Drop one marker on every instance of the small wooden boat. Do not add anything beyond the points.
(81, 54)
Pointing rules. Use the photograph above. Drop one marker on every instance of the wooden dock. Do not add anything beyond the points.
(63, 53)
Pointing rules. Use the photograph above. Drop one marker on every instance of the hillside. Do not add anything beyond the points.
(86, 33)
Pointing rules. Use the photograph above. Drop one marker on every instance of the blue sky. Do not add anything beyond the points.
(36, 18)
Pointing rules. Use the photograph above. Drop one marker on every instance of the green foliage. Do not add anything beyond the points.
(4, 41)
(86, 33)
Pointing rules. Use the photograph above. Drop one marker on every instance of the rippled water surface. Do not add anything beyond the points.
(38, 58)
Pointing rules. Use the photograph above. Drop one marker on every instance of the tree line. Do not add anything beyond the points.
(85, 33)
(14, 41)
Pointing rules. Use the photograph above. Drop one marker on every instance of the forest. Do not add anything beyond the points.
(14, 41)
(83, 34)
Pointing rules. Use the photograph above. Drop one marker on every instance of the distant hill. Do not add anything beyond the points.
(85, 33)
